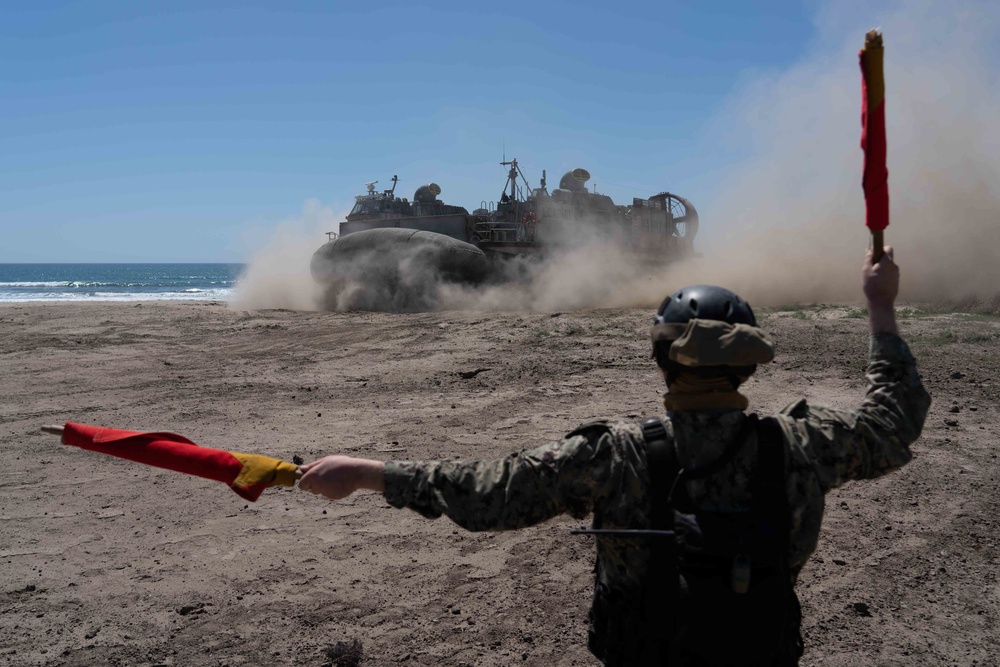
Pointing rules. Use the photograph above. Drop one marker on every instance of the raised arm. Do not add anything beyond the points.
(873, 439)
(880, 283)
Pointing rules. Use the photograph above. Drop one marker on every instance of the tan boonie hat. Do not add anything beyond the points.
(714, 343)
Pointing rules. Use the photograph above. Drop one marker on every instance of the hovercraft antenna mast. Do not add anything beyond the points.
(512, 174)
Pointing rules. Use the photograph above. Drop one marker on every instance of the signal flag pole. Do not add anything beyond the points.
(875, 180)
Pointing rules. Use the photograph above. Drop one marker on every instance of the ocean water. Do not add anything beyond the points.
(117, 282)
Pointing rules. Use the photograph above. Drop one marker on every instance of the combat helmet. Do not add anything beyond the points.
(701, 302)
(705, 302)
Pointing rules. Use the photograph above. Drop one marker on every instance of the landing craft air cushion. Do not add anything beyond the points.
(387, 240)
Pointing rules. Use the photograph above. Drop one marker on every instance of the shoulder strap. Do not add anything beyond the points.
(772, 518)
(662, 589)
(772, 514)
(771, 455)
(661, 459)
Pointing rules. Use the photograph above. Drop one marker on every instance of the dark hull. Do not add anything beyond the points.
(396, 269)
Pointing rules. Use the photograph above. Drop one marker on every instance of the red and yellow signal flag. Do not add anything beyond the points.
(246, 474)
(875, 181)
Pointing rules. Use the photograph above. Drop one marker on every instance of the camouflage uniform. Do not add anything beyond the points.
(602, 469)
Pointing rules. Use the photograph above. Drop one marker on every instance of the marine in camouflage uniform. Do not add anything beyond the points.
(601, 469)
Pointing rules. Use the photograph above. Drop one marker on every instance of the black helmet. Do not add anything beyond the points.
(705, 302)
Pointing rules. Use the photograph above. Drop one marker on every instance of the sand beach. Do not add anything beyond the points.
(107, 562)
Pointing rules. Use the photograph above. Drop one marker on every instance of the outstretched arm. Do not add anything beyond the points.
(337, 476)
(522, 489)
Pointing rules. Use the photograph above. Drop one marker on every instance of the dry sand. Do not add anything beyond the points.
(106, 562)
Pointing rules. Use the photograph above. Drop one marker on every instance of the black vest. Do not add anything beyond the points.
(719, 590)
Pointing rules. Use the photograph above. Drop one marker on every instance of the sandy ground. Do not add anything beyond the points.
(106, 562)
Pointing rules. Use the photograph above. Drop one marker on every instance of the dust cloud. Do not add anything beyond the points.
(786, 224)
(278, 274)
(586, 276)
(789, 224)
(583, 268)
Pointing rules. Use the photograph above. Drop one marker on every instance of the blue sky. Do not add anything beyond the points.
(134, 131)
